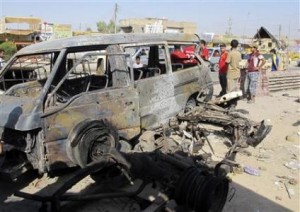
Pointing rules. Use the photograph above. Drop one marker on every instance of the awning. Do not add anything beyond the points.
(29, 20)
(19, 32)
(25, 43)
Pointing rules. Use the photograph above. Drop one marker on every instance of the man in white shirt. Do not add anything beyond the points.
(137, 63)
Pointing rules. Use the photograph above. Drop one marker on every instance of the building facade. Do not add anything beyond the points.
(156, 25)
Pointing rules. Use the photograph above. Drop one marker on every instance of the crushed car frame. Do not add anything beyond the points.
(65, 102)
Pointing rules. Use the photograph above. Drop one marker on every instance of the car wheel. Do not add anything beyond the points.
(191, 103)
(89, 141)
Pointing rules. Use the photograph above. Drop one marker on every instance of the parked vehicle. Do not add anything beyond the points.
(66, 101)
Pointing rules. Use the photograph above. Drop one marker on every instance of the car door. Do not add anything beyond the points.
(156, 89)
(116, 102)
(189, 78)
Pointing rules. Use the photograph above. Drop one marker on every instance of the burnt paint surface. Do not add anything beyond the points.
(18, 113)
(119, 106)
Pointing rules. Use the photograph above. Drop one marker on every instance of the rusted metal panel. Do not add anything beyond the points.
(157, 101)
(57, 157)
(18, 113)
(120, 107)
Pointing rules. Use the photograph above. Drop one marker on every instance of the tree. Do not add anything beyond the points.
(102, 27)
(110, 27)
(10, 49)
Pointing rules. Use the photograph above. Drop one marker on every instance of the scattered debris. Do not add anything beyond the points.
(252, 171)
(293, 165)
(293, 138)
(293, 181)
(290, 191)
(278, 198)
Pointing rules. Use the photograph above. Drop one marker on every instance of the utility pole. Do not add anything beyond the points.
(279, 32)
(228, 31)
(115, 17)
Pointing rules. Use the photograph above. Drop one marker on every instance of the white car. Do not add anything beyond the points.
(214, 57)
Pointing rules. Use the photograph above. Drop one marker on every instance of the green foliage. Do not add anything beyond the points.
(104, 27)
(10, 49)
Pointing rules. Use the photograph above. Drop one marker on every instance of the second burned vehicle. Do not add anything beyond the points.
(65, 102)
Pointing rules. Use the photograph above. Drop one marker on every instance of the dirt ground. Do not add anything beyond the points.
(275, 189)
(268, 191)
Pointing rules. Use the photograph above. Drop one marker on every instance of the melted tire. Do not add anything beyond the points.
(89, 140)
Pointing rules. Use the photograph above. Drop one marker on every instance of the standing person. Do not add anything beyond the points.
(255, 63)
(223, 69)
(1, 58)
(275, 60)
(204, 50)
(233, 71)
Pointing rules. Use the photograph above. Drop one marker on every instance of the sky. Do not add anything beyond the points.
(247, 16)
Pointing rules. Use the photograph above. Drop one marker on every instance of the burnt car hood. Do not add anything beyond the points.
(18, 113)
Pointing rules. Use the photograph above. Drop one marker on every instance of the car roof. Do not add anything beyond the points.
(105, 39)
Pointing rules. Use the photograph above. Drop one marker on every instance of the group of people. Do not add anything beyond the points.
(229, 71)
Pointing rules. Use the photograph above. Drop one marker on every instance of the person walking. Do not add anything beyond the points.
(275, 60)
(223, 69)
(255, 64)
(233, 72)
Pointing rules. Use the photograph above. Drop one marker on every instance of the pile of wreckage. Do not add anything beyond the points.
(169, 161)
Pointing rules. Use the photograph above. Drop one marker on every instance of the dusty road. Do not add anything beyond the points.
(266, 192)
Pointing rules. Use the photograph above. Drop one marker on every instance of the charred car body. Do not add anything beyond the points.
(66, 101)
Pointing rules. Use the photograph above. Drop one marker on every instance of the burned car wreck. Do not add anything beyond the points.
(54, 90)
(79, 102)
(169, 162)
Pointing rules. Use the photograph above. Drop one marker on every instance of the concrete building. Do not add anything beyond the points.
(24, 31)
(21, 30)
(266, 41)
(156, 25)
